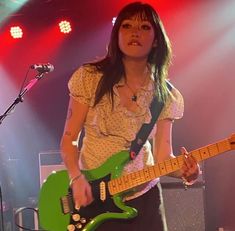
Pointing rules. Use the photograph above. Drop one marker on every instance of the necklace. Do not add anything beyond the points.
(134, 93)
(134, 96)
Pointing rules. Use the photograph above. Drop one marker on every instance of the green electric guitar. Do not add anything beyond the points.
(56, 208)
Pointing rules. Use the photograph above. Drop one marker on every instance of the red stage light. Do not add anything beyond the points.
(65, 27)
(16, 32)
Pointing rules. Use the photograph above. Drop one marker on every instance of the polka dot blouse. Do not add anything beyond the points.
(109, 130)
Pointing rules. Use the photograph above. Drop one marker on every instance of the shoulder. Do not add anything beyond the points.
(85, 74)
(83, 83)
(174, 105)
(174, 93)
(86, 71)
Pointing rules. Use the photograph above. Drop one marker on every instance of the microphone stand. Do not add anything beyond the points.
(6, 113)
(20, 96)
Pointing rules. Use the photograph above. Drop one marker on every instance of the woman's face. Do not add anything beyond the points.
(136, 38)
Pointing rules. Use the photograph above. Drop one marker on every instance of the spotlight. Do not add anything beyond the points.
(114, 19)
(65, 27)
(16, 32)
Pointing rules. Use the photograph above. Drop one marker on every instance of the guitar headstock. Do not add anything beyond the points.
(232, 141)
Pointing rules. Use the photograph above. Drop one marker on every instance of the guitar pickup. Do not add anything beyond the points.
(67, 204)
(102, 191)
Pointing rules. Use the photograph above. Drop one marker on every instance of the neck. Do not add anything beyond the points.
(135, 69)
(136, 74)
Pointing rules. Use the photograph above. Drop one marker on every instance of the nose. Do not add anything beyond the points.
(135, 31)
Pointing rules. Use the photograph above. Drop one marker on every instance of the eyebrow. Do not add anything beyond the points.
(136, 20)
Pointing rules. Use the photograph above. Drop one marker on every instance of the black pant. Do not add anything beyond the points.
(150, 214)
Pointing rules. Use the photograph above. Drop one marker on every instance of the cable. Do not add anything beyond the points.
(24, 81)
(20, 210)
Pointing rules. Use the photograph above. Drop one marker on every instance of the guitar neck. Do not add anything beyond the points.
(147, 174)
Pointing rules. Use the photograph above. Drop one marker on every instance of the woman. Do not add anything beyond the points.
(110, 99)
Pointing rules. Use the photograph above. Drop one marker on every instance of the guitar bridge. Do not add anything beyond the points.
(67, 204)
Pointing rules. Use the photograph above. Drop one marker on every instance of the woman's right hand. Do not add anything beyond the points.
(82, 194)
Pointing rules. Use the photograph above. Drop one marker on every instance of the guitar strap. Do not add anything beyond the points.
(143, 134)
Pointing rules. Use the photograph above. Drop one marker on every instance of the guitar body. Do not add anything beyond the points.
(108, 188)
(56, 186)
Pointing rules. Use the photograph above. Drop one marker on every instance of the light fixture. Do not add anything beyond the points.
(65, 27)
(114, 19)
(16, 32)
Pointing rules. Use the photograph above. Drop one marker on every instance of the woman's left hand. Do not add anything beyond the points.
(190, 169)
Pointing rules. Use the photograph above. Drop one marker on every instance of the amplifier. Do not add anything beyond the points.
(184, 208)
(49, 161)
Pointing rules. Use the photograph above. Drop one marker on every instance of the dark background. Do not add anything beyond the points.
(202, 34)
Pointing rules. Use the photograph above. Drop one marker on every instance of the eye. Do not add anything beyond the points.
(146, 27)
(126, 25)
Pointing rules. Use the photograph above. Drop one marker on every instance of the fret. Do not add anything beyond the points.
(197, 155)
(152, 172)
(165, 167)
(213, 149)
(116, 185)
(135, 178)
(126, 179)
(204, 152)
(224, 146)
(139, 177)
(162, 168)
(112, 187)
(147, 174)
(126, 182)
(174, 163)
(120, 184)
(180, 161)
(168, 165)
(156, 170)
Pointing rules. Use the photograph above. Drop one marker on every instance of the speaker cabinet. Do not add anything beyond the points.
(184, 208)
(49, 161)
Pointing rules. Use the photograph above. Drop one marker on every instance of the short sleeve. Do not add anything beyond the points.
(174, 106)
(82, 85)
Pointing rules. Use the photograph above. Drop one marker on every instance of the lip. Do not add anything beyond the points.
(134, 43)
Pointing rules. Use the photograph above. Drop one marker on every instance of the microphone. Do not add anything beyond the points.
(43, 68)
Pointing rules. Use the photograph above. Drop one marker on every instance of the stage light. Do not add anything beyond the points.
(65, 27)
(16, 32)
(114, 19)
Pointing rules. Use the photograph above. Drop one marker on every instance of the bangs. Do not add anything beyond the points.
(140, 12)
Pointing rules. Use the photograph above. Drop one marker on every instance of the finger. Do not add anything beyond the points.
(89, 196)
(183, 150)
(77, 203)
(77, 207)
(185, 155)
(188, 159)
(190, 162)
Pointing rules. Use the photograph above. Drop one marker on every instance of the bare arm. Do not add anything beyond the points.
(163, 141)
(74, 122)
(163, 150)
(76, 116)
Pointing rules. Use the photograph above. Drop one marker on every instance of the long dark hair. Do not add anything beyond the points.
(159, 57)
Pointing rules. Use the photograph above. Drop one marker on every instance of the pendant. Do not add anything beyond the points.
(134, 98)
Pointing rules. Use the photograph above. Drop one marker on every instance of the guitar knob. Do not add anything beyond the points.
(78, 225)
(76, 217)
(83, 220)
(70, 227)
